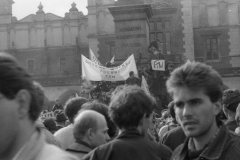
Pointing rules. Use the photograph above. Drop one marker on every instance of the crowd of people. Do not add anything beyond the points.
(202, 122)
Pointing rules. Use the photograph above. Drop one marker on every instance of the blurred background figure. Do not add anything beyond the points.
(50, 124)
(48, 128)
(231, 99)
(133, 80)
(237, 118)
(65, 135)
(171, 123)
(57, 106)
(60, 120)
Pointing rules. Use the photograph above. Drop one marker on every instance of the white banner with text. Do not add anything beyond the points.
(94, 72)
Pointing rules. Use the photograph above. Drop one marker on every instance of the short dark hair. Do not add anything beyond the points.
(196, 75)
(131, 73)
(72, 107)
(129, 105)
(14, 78)
(50, 124)
(102, 109)
(61, 118)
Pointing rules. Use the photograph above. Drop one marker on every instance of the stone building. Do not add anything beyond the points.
(49, 46)
(200, 30)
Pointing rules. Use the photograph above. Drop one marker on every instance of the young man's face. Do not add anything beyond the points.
(9, 124)
(195, 111)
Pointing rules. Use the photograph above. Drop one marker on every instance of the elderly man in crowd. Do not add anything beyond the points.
(20, 139)
(131, 110)
(90, 130)
(197, 92)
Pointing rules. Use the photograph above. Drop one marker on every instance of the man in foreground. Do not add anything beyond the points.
(197, 91)
(131, 110)
(20, 139)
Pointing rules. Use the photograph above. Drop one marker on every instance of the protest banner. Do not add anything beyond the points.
(94, 72)
(93, 57)
(158, 65)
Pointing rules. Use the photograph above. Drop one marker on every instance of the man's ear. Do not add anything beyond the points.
(23, 98)
(218, 107)
(90, 133)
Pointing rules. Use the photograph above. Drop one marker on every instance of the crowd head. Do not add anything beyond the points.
(72, 107)
(129, 106)
(90, 127)
(102, 109)
(196, 84)
(231, 99)
(14, 80)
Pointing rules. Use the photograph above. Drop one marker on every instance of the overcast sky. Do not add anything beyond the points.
(22, 8)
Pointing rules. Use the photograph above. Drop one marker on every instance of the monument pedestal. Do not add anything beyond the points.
(132, 30)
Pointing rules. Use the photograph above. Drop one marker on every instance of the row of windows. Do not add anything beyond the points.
(161, 32)
(31, 65)
(214, 15)
(159, 26)
(212, 53)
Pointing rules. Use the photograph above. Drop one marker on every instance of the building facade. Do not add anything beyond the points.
(47, 45)
(50, 47)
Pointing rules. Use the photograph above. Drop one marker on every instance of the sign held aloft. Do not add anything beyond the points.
(158, 65)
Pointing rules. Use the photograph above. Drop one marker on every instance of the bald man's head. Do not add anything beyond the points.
(90, 127)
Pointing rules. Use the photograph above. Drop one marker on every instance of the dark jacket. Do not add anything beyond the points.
(174, 138)
(79, 149)
(130, 145)
(225, 146)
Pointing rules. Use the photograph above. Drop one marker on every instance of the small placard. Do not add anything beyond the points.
(158, 65)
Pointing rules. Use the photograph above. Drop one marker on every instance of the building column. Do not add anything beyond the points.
(187, 29)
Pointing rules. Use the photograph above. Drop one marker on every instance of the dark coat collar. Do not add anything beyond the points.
(214, 149)
(79, 147)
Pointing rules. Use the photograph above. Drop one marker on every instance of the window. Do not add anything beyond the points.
(162, 34)
(233, 14)
(151, 26)
(152, 37)
(212, 48)
(168, 42)
(167, 25)
(213, 16)
(159, 26)
(62, 64)
(30, 65)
